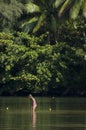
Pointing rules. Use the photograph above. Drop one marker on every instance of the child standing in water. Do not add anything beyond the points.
(34, 104)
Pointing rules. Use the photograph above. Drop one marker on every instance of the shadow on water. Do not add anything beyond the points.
(51, 114)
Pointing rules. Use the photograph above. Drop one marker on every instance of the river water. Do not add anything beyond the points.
(51, 114)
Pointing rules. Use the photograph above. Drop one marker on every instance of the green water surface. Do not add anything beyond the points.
(51, 114)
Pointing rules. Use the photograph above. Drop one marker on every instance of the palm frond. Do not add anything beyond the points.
(29, 25)
(11, 11)
(39, 23)
(74, 11)
(64, 6)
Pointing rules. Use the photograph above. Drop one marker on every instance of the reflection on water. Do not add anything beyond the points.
(34, 119)
(51, 114)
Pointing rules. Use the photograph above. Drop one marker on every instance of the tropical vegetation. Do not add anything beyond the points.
(43, 47)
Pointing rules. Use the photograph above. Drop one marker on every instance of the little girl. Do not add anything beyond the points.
(34, 104)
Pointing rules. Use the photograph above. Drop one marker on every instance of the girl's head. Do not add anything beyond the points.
(30, 96)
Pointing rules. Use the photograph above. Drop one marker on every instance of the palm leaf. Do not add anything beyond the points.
(64, 6)
(11, 11)
(29, 25)
(58, 3)
(84, 8)
(39, 23)
(74, 11)
(31, 8)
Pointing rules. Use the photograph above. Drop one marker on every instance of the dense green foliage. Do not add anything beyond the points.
(25, 64)
(41, 50)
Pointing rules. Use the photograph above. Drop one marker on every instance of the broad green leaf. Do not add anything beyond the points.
(31, 8)
(29, 25)
(64, 6)
(74, 11)
(34, 19)
(39, 23)
(58, 3)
